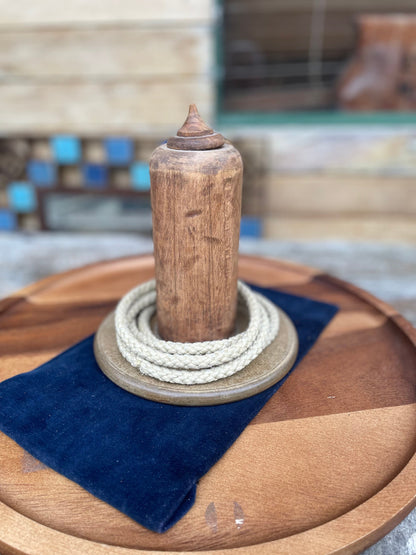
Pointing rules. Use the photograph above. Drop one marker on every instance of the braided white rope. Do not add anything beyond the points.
(191, 363)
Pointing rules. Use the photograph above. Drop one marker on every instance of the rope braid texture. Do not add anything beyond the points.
(191, 363)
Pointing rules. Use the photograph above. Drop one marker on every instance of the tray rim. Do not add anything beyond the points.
(21, 534)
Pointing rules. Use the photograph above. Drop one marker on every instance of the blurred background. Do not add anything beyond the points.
(318, 95)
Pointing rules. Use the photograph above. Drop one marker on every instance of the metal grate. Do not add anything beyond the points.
(289, 54)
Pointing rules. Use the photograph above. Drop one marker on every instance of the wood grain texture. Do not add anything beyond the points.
(394, 228)
(76, 12)
(328, 465)
(339, 194)
(98, 53)
(196, 207)
(109, 106)
(356, 152)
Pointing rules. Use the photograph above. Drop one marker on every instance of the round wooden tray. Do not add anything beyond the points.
(328, 465)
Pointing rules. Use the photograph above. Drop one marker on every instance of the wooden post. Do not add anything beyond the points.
(196, 182)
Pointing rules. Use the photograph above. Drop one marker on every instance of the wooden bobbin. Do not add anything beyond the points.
(196, 185)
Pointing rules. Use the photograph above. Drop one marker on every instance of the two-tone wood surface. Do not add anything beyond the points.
(328, 465)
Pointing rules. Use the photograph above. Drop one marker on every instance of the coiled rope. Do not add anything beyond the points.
(191, 363)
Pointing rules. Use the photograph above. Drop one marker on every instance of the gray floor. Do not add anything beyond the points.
(387, 271)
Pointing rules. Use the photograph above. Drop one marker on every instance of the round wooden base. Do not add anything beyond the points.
(264, 371)
(327, 466)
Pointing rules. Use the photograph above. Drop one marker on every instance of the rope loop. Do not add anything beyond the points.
(191, 363)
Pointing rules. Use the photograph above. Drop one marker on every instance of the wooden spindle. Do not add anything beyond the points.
(196, 182)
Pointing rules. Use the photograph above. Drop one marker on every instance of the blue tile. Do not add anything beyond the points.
(22, 197)
(119, 150)
(251, 227)
(95, 175)
(41, 173)
(140, 176)
(66, 149)
(8, 220)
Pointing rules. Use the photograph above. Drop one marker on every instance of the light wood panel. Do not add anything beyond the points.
(339, 194)
(48, 13)
(49, 54)
(359, 151)
(360, 228)
(103, 107)
(327, 466)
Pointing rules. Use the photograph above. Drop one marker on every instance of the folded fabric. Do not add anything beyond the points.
(142, 457)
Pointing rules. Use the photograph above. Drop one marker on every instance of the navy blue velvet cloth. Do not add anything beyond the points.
(142, 457)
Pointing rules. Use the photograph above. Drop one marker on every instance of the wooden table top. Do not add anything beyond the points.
(327, 466)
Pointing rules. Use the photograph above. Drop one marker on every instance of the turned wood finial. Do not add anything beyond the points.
(194, 125)
(195, 134)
